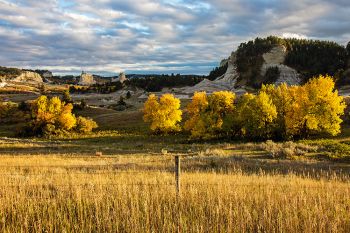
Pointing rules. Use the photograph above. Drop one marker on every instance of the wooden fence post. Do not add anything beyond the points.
(177, 173)
(177, 180)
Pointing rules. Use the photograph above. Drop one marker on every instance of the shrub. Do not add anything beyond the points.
(287, 149)
(121, 101)
(66, 97)
(128, 95)
(10, 113)
(85, 125)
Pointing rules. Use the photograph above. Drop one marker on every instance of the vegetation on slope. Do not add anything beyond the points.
(9, 72)
(217, 72)
(308, 57)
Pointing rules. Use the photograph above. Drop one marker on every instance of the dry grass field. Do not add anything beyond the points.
(60, 185)
(133, 194)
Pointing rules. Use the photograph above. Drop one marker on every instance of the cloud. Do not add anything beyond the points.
(293, 35)
(180, 36)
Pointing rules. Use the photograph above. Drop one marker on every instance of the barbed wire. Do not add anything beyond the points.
(87, 172)
(92, 165)
(84, 185)
(162, 184)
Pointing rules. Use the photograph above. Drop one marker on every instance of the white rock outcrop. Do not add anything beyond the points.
(275, 58)
(86, 79)
(225, 82)
(3, 84)
(28, 77)
(121, 78)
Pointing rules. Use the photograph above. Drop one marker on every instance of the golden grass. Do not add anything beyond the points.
(84, 194)
(60, 185)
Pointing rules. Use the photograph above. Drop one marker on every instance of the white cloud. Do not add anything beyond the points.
(110, 35)
(294, 35)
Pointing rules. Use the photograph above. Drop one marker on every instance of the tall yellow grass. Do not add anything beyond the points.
(47, 193)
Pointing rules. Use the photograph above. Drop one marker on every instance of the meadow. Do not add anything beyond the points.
(60, 185)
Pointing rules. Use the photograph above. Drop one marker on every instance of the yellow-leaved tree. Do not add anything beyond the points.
(254, 115)
(51, 116)
(195, 124)
(325, 106)
(312, 108)
(208, 120)
(163, 114)
(281, 98)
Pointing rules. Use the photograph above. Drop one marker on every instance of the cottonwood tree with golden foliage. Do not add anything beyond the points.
(199, 104)
(309, 109)
(254, 116)
(282, 112)
(324, 107)
(51, 116)
(207, 113)
(163, 113)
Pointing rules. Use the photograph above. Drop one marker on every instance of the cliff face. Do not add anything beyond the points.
(275, 58)
(228, 81)
(225, 82)
(28, 77)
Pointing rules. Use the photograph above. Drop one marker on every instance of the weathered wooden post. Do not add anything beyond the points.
(177, 173)
(177, 180)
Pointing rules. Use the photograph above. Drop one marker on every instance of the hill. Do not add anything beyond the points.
(276, 60)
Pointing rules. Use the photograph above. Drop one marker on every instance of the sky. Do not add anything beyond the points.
(148, 36)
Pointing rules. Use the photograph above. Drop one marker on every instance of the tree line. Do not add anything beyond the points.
(275, 112)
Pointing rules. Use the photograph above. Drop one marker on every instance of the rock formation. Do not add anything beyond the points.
(86, 79)
(224, 82)
(2, 84)
(122, 77)
(275, 58)
(28, 77)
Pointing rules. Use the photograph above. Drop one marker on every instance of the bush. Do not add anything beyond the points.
(287, 149)
(85, 125)
(10, 113)
(128, 95)
(66, 97)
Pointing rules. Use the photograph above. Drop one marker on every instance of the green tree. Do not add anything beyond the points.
(128, 95)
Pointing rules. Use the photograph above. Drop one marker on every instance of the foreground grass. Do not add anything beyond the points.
(59, 185)
(61, 194)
